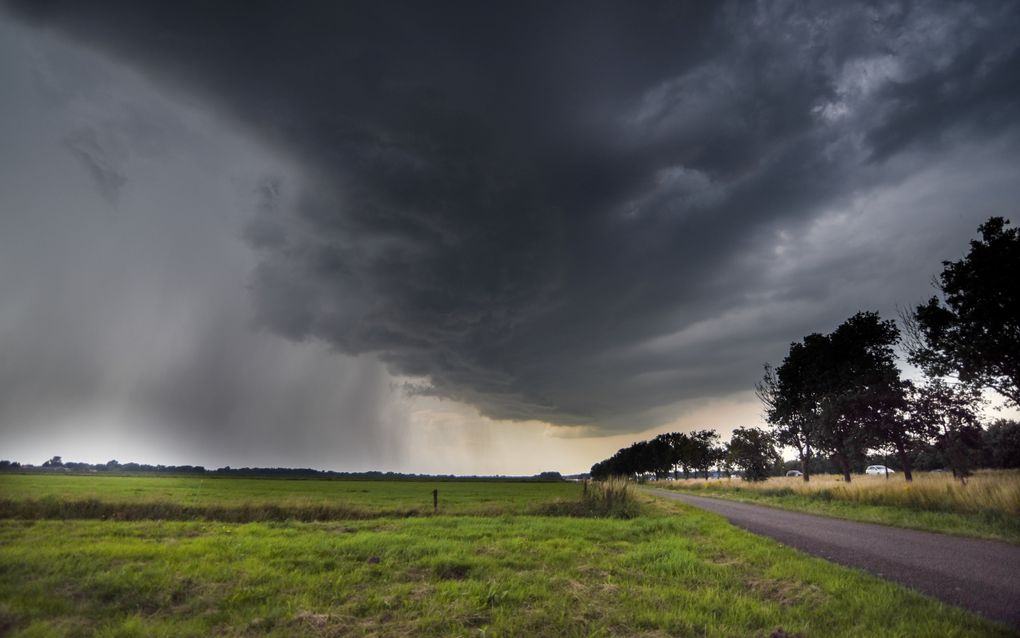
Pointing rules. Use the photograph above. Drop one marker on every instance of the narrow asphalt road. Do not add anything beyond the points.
(983, 576)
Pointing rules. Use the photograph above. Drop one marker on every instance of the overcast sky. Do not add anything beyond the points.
(466, 237)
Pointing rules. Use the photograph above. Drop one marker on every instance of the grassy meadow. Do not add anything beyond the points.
(246, 499)
(987, 506)
(506, 559)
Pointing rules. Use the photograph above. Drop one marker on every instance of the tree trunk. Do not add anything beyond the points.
(805, 459)
(901, 453)
(844, 464)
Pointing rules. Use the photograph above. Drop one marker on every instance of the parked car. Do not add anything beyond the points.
(879, 469)
(795, 473)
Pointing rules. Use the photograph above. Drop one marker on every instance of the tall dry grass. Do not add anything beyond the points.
(987, 491)
(611, 498)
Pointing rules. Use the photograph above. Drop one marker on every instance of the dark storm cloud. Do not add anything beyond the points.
(564, 211)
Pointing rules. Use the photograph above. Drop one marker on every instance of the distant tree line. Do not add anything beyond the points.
(57, 464)
(838, 399)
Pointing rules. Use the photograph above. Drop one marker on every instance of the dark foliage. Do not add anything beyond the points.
(753, 450)
(974, 331)
(839, 393)
(948, 413)
(1002, 444)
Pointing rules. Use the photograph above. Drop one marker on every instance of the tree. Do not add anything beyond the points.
(753, 450)
(787, 411)
(549, 476)
(871, 396)
(832, 392)
(895, 428)
(56, 461)
(675, 445)
(859, 385)
(661, 456)
(703, 450)
(973, 333)
(949, 412)
(1002, 444)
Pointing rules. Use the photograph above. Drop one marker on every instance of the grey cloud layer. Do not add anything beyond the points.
(125, 325)
(569, 211)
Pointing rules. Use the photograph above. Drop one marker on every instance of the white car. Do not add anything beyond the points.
(879, 469)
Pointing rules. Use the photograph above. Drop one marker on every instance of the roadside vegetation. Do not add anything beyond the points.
(987, 506)
(619, 563)
(839, 397)
(613, 498)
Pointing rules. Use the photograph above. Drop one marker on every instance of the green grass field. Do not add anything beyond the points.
(475, 571)
(336, 498)
(987, 506)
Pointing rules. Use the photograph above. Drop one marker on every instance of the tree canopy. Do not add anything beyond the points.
(836, 392)
(973, 332)
(949, 412)
(753, 450)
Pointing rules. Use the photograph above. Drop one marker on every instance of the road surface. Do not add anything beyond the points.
(983, 576)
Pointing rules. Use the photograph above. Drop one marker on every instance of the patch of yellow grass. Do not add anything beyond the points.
(612, 496)
(987, 490)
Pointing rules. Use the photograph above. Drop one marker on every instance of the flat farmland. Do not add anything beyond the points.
(344, 498)
(491, 565)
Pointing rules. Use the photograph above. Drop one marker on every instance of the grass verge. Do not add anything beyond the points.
(671, 571)
(988, 506)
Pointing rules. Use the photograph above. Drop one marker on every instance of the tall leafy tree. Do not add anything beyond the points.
(973, 332)
(1002, 444)
(703, 450)
(897, 429)
(661, 456)
(864, 392)
(832, 391)
(677, 444)
(949, 411)
(787, 410)
(753, 450)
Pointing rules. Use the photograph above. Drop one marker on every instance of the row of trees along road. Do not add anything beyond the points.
(750, 450)
(840, 395)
